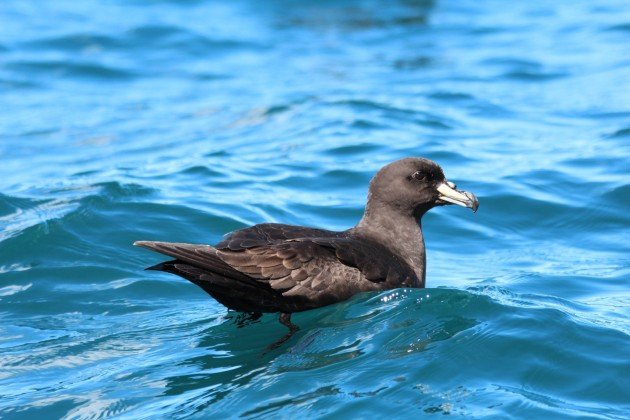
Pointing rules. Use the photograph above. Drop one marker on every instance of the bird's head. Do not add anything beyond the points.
(412, 186)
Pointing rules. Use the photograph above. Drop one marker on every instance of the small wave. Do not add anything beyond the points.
(14, 267)
(387, 111)
(144, 39)
(413, 63)
(184, 40)
(76, 42)
(620, 134)
(13, 289)
(18, 84)
(22, 219)
(622, 27)
(71, 69)
(355, 149)
(451, 96)
(534, 76)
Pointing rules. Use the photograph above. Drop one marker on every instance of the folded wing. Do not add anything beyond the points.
(268, 271)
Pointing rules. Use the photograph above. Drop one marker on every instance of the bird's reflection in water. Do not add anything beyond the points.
(243, 319)
(235, 353)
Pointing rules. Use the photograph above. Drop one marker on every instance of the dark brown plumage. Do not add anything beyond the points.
(281, 268)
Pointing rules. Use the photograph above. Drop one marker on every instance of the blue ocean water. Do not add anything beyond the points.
(184, 120)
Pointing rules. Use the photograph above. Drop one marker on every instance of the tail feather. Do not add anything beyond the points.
(202, 256)
(201, 265)
(238, 295)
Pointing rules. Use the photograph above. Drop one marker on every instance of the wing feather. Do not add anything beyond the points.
(309, 268)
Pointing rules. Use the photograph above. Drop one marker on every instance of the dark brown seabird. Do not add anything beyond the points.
(273, 267)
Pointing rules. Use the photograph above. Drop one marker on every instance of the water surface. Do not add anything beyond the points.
(184, 120)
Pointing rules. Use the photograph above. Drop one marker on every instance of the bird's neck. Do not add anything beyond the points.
(397, 232)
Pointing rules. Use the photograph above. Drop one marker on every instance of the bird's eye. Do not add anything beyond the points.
(419, 176)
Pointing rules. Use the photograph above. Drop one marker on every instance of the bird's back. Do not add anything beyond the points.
(270, 233)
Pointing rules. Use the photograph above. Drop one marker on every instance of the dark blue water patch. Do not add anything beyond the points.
(11, 83)
(451, 96)
(116, 191)
(573, 283)
(163, 36)
(9, 204)
(387, 112)
(75, 43)
(218, 153)
(621, 133)
(509, 212)
(145, 40)
(326, 181)
(568, 222)
(207, 76)
(559, 185)
(621, 27)
(595, 164)
(36, 132)
(367, 125)
(202, 171)
(442, 231)
(85, 174)
(314, 214)
(489, 110)
(96, 215)
(487, 30)
(351, 178)
(71, 70)
(597, 115)
(618, 196)
(56, 408)
(534, 76)
(354, 149)
(355, 17)
(511, 62)
(436, 153)
(414, 63)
